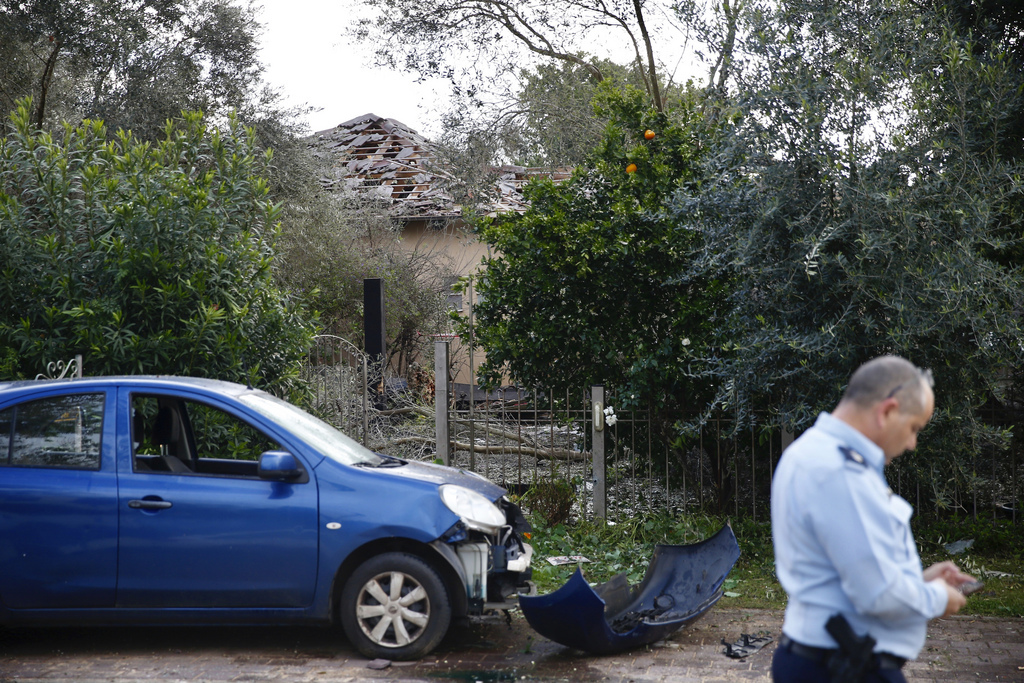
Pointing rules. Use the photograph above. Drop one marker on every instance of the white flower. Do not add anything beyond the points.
(686, 341)
(609, 416)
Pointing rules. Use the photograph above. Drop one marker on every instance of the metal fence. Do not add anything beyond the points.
(523, 436)
(616, 464)
(337, 373)
(534, 439)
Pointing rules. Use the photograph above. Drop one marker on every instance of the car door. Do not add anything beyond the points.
(58, 501)
(199, 527)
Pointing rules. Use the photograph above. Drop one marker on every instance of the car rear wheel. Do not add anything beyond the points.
(395, 606)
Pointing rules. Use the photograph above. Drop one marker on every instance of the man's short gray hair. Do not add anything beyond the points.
(886, 377)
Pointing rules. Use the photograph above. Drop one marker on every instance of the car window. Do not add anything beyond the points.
(175, 435)
(323, 437)
(59, 431)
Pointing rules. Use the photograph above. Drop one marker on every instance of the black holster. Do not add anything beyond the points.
(855, 658)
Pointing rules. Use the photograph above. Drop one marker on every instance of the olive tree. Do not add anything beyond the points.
(133, 64)
(860, 206)
(136, 64)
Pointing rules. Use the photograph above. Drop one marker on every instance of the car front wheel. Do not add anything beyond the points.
(395, 606)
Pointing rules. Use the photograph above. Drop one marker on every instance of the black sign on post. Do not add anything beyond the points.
(373, 318)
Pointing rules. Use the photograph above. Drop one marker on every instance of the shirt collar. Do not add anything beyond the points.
(852, 438)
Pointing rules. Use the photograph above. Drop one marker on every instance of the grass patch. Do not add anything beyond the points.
(628, 546)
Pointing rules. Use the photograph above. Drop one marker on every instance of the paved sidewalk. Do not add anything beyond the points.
(959, 649)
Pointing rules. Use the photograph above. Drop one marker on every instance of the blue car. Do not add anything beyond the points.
(163, 500)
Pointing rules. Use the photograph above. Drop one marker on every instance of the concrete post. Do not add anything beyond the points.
(597, 428)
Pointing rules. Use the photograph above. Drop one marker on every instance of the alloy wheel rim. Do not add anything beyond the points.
(393, 609)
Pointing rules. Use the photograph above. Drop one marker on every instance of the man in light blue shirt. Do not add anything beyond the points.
(842, 538)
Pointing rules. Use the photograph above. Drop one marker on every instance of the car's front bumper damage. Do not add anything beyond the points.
(495, 568)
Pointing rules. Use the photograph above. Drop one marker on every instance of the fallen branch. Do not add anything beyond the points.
(405, 411)
(539, 453)
(490, 429)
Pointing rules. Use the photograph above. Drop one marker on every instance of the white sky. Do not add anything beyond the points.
(311, 61)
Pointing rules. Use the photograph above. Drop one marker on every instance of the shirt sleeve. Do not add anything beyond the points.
(869, 542)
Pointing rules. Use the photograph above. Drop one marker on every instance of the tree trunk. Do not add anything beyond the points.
(47, 79)
(652, 70)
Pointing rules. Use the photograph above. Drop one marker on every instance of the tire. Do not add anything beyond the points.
(395, 606)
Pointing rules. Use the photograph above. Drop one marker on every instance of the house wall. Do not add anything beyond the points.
(461, 253)
(460, 247)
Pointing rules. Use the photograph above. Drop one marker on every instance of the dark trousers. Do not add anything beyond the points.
(792, 668)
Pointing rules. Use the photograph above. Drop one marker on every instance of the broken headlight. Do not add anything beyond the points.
(474, 509)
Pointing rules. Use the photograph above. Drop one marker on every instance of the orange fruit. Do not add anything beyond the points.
(649, 134)
(631, 168)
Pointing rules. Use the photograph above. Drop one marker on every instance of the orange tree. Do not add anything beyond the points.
(590, 284)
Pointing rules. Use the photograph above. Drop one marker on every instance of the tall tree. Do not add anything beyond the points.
(132, 64)
(549, 119)
(136, 64)
(857, 205)
(996, 26)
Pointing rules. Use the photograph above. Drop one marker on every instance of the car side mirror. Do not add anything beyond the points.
(279, 466)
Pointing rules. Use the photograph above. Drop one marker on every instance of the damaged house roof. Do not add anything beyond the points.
(384, 156)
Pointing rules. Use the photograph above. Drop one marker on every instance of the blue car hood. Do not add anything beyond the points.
(440, 474)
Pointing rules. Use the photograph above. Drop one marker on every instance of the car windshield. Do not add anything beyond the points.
(312, 430)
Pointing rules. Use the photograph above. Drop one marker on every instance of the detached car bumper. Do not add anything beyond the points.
(682, 583)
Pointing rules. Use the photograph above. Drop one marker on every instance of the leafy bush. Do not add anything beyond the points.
(143, 258)
(552, 500)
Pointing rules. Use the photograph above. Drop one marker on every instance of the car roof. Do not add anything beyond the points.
(148, 381)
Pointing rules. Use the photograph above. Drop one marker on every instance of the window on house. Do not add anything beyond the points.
(454, 295)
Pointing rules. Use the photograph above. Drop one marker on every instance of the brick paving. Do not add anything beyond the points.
(959, 649)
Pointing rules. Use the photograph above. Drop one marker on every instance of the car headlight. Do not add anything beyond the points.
(476, 511)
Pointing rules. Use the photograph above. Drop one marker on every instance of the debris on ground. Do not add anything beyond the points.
(745, 646)
(567, 559)
(958, 547)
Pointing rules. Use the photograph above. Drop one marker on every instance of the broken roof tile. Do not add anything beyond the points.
(384, 156)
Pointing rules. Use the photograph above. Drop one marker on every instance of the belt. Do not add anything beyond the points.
(821, 654)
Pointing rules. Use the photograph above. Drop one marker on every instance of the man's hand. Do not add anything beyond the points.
(951, 578)
(948, 572)
(955, 600)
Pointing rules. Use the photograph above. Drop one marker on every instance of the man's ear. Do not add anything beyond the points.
(886, 410)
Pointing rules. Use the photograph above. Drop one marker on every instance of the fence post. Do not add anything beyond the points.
(366, 403)
(442, 388)
(597, 450)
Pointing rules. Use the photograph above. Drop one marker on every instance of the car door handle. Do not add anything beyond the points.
(149, 504)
